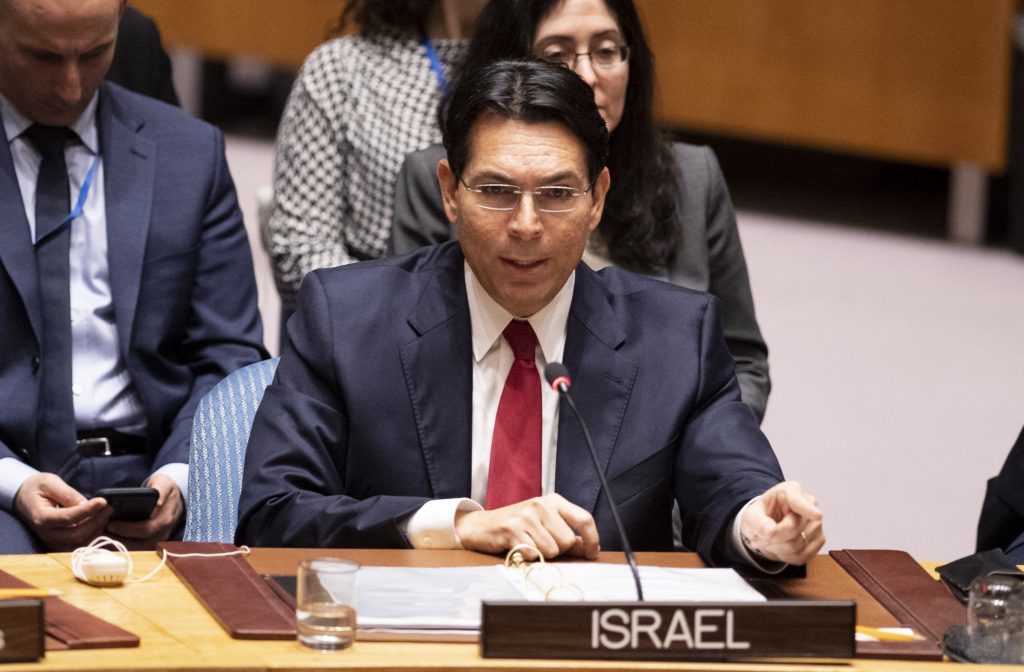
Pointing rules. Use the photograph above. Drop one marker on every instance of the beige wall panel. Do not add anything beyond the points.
(918, 80)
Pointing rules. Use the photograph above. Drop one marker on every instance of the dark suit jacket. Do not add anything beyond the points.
(140, 63)
(369, 415)
(180, 273)
(710, 256)
(1001, 524)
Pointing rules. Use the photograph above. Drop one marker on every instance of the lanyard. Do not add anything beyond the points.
(435, 62)
(83, 194)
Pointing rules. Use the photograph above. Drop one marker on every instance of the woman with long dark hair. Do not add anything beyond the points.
(359, 105)
(668, 213)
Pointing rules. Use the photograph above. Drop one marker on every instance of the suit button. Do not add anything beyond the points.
(35, 365)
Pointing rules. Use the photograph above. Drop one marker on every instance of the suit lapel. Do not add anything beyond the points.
(602, 381)
(16, 251)
(129, 164)
(439, 377)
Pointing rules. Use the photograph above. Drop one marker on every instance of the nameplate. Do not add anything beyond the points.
(21, 630)
(668, 631)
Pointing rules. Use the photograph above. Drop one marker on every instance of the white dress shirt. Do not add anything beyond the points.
(433, 525)
(102, 390)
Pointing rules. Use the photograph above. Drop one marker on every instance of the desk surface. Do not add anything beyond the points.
(178, 634)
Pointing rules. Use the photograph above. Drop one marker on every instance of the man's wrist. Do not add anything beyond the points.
(13, 474)
(432, 526)
(753, 552)
(746, 551)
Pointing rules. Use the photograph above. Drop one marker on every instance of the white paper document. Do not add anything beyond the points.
(449, 598)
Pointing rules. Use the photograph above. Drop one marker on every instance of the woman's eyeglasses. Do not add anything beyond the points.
(602, 57)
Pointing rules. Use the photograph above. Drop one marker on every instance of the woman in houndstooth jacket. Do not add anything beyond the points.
(359, 105)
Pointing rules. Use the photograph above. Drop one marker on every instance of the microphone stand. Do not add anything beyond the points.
(558, 376)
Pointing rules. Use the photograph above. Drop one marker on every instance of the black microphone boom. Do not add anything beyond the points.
(558, 378)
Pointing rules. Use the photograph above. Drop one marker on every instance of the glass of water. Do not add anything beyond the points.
(995, 619)
(325, 603)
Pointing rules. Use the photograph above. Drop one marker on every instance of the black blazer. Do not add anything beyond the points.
(1002, 513)
(140, 63)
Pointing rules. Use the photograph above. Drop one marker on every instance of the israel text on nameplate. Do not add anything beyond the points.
(715, 631)
(21, 630)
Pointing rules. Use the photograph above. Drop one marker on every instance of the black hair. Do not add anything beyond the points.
(526, 90)
(639, 223)
(375, 16)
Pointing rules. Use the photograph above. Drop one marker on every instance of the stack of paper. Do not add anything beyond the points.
(448, 599)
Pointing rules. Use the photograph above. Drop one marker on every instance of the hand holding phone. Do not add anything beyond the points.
(130, 503)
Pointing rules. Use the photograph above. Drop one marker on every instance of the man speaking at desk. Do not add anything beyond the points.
(409, 410)
(126, 282)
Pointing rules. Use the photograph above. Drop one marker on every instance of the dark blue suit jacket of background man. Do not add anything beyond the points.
(370, 413)
(180, 273)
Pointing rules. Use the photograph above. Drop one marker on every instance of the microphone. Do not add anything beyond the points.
(558, 378)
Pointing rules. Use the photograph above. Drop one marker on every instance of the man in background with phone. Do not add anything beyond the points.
(126, 284)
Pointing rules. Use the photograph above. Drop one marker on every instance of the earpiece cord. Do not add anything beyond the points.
(97, 546)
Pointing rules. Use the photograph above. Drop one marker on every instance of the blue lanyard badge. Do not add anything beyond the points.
(83, 194)
(435, 62)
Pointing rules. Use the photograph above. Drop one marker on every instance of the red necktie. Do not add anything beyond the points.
(514, 472)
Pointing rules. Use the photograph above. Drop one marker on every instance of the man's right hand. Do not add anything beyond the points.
(58, 514)
(551, 523)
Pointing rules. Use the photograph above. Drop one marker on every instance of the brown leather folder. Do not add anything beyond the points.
(231, 590)
(68, 627)
(909, 593)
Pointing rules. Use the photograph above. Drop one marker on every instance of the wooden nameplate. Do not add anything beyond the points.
(702, 631)
(21, 630)
(68, 627)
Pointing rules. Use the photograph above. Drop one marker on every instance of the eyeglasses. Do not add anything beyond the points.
(505, 197)
(602, 57)
(540, 579)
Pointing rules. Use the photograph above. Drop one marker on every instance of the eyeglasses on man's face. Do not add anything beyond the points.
(603, 56)
(506, 197)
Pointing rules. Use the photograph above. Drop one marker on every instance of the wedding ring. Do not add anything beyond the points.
(803, 535)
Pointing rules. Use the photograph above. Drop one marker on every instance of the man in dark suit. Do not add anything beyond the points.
(1001, 524)
(126, 283)
(410, 398)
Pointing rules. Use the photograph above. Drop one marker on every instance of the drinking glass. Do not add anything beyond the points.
(995, 618)
(325, 603)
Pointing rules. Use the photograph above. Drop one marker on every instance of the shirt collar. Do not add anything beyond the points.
(16, 123)
(488, 319)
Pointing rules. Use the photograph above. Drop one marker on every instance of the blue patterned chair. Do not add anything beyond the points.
(220, 432)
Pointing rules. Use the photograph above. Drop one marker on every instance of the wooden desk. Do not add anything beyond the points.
(178, 634)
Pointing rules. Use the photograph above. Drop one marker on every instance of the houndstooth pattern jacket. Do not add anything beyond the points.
(358, 106)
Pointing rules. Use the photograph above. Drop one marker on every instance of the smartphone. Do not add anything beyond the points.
(130, 503)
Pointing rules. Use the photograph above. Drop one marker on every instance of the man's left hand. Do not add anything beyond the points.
(144, 534)
(784, 525)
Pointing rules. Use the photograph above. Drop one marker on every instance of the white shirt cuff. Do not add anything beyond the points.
(13, 474)
(433, 525)
(177, 472)
(764, 565)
